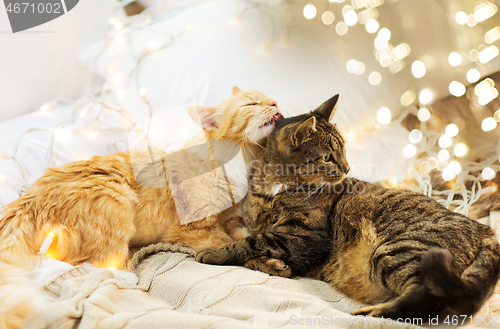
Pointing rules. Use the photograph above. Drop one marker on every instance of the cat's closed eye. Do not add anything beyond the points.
(252, 104)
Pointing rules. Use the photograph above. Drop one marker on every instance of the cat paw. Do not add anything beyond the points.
(127, 277)
(270, 266)
(379, 310)
(207, 256)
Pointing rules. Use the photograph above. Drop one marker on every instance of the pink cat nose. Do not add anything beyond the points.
(273, 104)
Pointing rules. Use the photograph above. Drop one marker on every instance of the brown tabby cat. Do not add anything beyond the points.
(97, 209)
(398, 250)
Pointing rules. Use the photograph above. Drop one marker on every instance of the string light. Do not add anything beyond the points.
(341, 28)
(451, 130)
(409, 151)
(460, 150)
(448, 174)
(489, 124)
(424, 114)
(461, 18)
(372, 26)
(374, 78)
(418, 69)
(328, 18)
(492, 35)
(426, 96)
(351, 18)
(455, 59)
(456, 167)
(457, 89)
(432, 162)
(310, 11)
(484, 10)
(444, 142)
(443, 155)
(415, 136)
(488, 54)
(488, 173)
(384, 116)
(473, 75)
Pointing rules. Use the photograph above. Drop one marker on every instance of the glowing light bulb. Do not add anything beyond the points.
(451, 130)
(116, 78)
(341, 28)
(488, 54)
(408, 98)
(352, 66)
(443, 155)
(457, 89)
(112, 20)
(118, 26)
(394, 181)
(460, 150)
(121, 93)
(83, 113)
(384, 116)
(328, 18)
(361, 68)
(142, 92)
(432, 162)
(384, 33)
(424, 114)
(111, 268)
(51, 235)
(351, 135)
(415, 136)
(456, 167)
(372, 26)
(494, 188)
(461, 18)
(448, 174)
(488, 173)
(44, 107)
(310, 11)
(409, 151)
(473, 75)
(351, 18)
(91, 133)
(374, 78)
(444, 142)
(418, 69)
(455, 59)
(489, 124)
(426, 96)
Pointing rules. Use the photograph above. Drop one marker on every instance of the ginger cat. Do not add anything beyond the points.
(97, 210)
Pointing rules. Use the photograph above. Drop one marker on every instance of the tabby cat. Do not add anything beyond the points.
(97, 209)
(397, 250)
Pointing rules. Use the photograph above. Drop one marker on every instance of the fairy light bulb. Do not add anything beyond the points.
(432, 162)
(418, 69)
(352, 66)
(457, 89)
(51, 235)
(341, 28)
(374, 78)
(415, 136)
(310, 11)
(460, 150)
(444, 142)
(384, 116)
(112, 268)
(488, 173)
(461, 18)
(451, 130)
(328, 18)
(456, 167)
(454, 59)
(489, 124)
(424, 114)
(448, 174)
(142, 92)
(372, 26)
(351, 135)
(44, 107)
(189, 27)
(426, 96)
(118, 26)
(408, 98)
(351, 18)
(46, 243)
(409, 151)
(473, 75)
(443, 155)
(112, 20)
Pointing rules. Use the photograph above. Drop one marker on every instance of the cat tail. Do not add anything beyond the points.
(464, 294)
(19, 298)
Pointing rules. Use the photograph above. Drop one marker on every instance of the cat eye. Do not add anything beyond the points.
(252, 104)
(326, 157)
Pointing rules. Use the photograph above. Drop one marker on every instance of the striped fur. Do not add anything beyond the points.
(397, 250)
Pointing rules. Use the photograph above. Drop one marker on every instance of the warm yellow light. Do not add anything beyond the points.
(418, 69)
(44, 107)
(91, 133)
(51, 235)
(384, 116)
(489, 124)
(460, 150)
(394, 181)
(488, 173)
(189, 27)
(494, 188)
(473, 75)
(372, 26)
(456, 89)
(327, 18)
(426, 96)
(112, 20)
(351, 18)
(142, 92)
(409, 151)
(374, 78)
(118, 26)
(424, 114)
(341, 28)
(351, 135)
(455, 59)
(310, 11)
(461, 18)
(415, 136)
(451, 130)
(111, 268)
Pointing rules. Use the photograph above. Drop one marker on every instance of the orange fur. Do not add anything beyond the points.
(98, 210)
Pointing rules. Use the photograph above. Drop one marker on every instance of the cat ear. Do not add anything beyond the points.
(327, 108)
(206, 117)
(303, 131)
(236, 90)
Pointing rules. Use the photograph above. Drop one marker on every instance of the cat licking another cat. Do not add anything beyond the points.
(97, 210)
(399, 251)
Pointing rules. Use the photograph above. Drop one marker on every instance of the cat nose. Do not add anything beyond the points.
(345, 168)
(273, 104)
